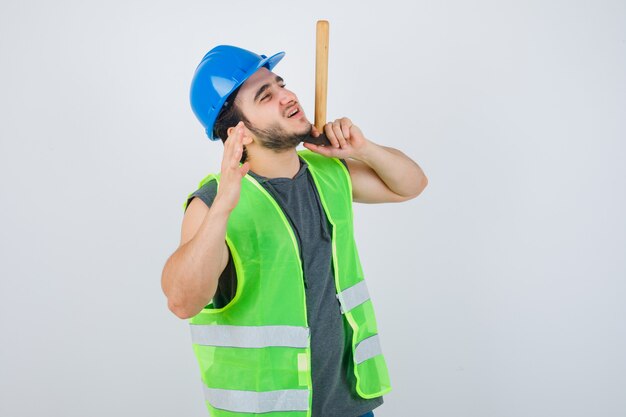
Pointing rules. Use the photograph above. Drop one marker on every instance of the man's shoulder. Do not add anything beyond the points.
(206, 191)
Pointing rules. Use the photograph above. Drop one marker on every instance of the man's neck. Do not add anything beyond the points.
(270, 164)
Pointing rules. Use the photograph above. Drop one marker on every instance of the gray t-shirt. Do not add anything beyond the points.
(332, 373)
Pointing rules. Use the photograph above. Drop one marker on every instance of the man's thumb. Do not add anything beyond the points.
(245, 168)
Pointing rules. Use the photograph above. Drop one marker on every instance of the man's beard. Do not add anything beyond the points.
(276, 138)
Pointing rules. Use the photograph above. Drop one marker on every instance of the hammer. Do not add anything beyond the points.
(321, 82)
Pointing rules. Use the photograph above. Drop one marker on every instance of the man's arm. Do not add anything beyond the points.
(191, 274)
(385, 175)
(379, 174)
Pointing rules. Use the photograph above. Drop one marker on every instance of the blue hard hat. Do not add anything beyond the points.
(222, 70)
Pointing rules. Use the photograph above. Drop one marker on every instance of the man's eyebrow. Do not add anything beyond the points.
(264, 87)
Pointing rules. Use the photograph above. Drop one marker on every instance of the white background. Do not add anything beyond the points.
(500, 291)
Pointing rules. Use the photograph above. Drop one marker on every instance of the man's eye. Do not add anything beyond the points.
(265, 97)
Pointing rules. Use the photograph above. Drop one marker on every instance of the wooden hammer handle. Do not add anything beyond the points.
(321, 74)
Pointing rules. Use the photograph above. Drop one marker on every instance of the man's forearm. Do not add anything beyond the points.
(399, 172)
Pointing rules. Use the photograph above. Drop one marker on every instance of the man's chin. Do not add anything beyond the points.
(306, 132)
(279, 140)
(299, 136)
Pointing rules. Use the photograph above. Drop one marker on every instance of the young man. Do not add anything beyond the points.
(267, 268)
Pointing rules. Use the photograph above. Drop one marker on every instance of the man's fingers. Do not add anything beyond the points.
(339, 134)
(345, 127)
(330, 134)
(233, 147)
(322, 150)
(228, 144)
(238, 152)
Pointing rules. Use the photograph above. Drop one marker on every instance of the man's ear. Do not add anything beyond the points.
(247, 134)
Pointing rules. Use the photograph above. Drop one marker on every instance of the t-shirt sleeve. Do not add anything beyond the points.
(205, 193)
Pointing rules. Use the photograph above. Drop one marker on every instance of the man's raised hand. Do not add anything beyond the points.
(232, 172)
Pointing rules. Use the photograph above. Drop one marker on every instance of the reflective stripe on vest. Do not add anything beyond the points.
(249, 336)
(367, 348)
(257, 402)
(353, 296)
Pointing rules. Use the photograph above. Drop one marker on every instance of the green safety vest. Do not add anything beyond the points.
(254, 353)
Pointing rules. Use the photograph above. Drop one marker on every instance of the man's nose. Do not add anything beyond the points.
(286, 96)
